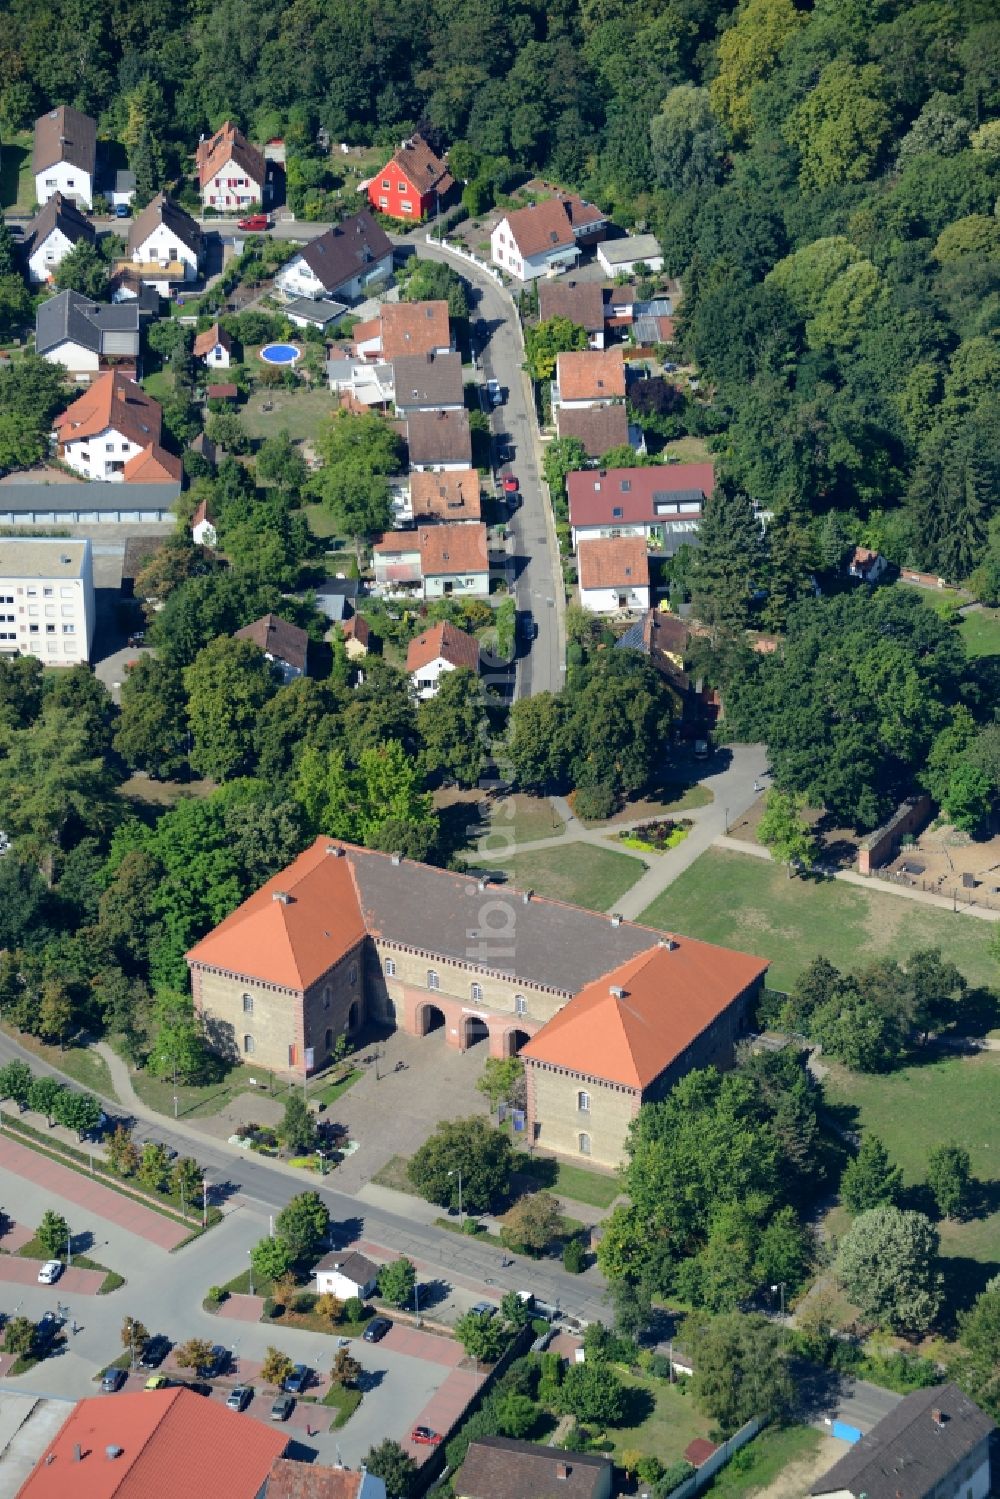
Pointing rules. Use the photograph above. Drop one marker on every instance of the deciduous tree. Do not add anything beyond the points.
(304, 1224)
(396, 1281)
(481, 1153)
(949, 1177)
(887, 1263)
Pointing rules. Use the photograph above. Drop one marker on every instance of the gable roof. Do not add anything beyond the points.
(72, 316)
(500, 1468)
(62, 214)
(409, 328)
(453, 494)
(277, 637)
(229, 144)
(595, 495)
(357, 628)
(112, 400)
(446, 642)
(581, 301)
(439, 437)
(171, 1444)
(912, 1449)
(445, 550)
(154, 465)
(294, 928)
(591, 375)
(422, 168)
(599, 428)
(431, 379)
(354, 1265)
(630, 1024)
(163, 210)
(337, 256)
(64, 134)
(300, 1480)
(614, 562)
(540, 227)
(206, 342)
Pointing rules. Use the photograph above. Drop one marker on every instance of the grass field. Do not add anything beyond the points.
(195, 1101)
(672, 1420)
(740, 901)
(521, 819)
(574, 1182)
(17, 181)
(78, 1062)
(319, 521)
(687, 450)
(657, 806)
(761, 1461)
(579, 874)
(298, 412)
(981, 632)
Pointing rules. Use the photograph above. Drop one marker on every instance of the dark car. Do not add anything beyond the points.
(154, 1352)
(527, 625)
(240, 1398)
(137, 638)
(46, 1329)
(198, 1386)
(217, 1364)
(282, 1407)
(376, 1329)
(484, 1309)
(113, 1380)
(298, 1380)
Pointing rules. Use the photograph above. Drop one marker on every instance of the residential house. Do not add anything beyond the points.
(590, 377)
(344, 263)
(294, 1480)
(284, 644)
(599, 428)
(545, 238)
(203, 532)
(442, 648)
(85, 336)
(935, 1444)
(164, 244)
(867, 565)
(46, 599)
(580, 301)
(113, 432)
(663, 639)
(454, 561)
(70, 502)
(155, 1444)
(64, 159)
(653, 322)
(347, 935)
(454, 496)
(396, 559)
(232, 174)
(428, 382)
(628, 1037)
(439, 440)
(664, 502)
(614, 575)
(54, 232)
(366, 383)
(404, 328)
(214, 348)
(356, 635)
(413, 184)
(501, 1468)
(346, 1274)
(335, 597)
(624, 256)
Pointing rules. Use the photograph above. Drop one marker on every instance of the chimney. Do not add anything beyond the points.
(562, 1471)
(938, 1417)
(616, 992)
(335, 850)
(668, 943)
(77, 1452)
(111, 1452)
(283, 896)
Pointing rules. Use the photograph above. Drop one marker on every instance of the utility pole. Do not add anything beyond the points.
(175, 1087)
(204, 1202)
(69, 1247)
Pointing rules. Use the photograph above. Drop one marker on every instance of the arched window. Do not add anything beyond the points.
(476, 991)
(248, 1045)
(353, 1016)
(584, 1144)
(433, 982)
(326, 996)
(352, 977)
(520, 1005)
(583, 1101)
(248, 1004)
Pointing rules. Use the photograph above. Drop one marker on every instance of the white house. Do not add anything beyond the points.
(65, 155)
(46, 599)
(662, 503)
(203, 532)
(345, 263)
(164, 243)
(867, 565)
(83, 336)
(369, 384)
(56, 229)
(404, 328)
(214, 348)
(545, 238)
(441, 649)
(439, 561)
(284, 644)
(614, 575)
(622, 256)
(113, 431)
(580, 301)
(589, 377)
(345, 1275)
(232, 174)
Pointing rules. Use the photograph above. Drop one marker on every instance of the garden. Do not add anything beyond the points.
(657, 837)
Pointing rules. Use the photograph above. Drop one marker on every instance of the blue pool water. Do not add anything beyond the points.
(279, 353)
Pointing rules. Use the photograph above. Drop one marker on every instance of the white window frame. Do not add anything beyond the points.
(476, 992)
(582, 1101)
(433, 979)
(390, 968)
(248, 1004)
(520, 1005)
(249, 1045)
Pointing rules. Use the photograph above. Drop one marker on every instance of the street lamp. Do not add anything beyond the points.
(69, 1247)
(458, 1172)
(250, 1258)
(780, 1287)
(175, 1087)
(204, 1202)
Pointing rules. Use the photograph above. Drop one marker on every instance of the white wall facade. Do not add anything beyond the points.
(425, 681)
(614, 268)
(217, 358)
(454, 585)
(397, 568)
(297, 279)
(51, 618)
(204, 534)
(74, 357)
(505, 253)
(72, 182)
(162, 247)
(457, 466)
(231, 187)
(101, 457)
(608, 528)
(612, 600)
(332, 1282)
(45, 257)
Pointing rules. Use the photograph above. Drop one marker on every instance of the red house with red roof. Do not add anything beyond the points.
(412, 184)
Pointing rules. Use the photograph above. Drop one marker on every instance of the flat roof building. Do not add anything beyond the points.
(46, 599)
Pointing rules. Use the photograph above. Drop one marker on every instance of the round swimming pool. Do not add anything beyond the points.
(280, 353)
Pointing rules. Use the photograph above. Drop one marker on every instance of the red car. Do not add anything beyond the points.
(509, 484)
(255, 221)
(424, 1437)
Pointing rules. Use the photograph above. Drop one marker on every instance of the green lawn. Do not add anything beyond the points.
(662, 805)
(761, 1461)
(574, 1182)
(197, 1100)
(687, 450)
(78, 1062)
(579, 874)
(668, 1420)
(520, 819)
(17, 181)
(298, 412)
(159, 385)
(743, 902)
(320, 522)
(981, 632)
(345, 1402)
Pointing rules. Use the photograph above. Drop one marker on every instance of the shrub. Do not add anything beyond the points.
(304, 1302)
(472, 1227)
(595, 803)
(354, 1309)
(659, 1366)
(218, 1294)
(574, 1257)
(271, 1308)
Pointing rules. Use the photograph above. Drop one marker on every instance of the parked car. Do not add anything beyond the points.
(123, 210)
(47, 1327)
(494, 392)
(296, 1382)
(136, 639)
(527, 625)
(510, 484)
(484, 1309)
(154, 1352)
(255, 221)
(240, 1398)
(113, 1380)
(282, 1407)
(217, 1364)
(50, 1272)
(157, 1382)
(376, 1329)
(424, 1437)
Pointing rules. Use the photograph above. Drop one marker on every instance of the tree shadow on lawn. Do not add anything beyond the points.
(461, 825)
(964, 1280)
(977, 1012)
(639, 1406)
(433, 1293)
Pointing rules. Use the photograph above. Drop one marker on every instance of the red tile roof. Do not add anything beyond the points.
(599, 428)
(292, 1480)
(581, 301)
(591, 375)
(170, 1444)
(451, 495)
(453, 549)
(111, 401)
(407, 328)
(549, 225)
(230, 144)
(154, 465)
(225, 392)
(630, 1025)
(614, 562)
(206, 342)
(446, 641)
(294, 928)
(421, 168)
(357, 628)
(595, 494)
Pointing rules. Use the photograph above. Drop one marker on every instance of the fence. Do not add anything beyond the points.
(444, 244)
(719, 1458)
(959, 895)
